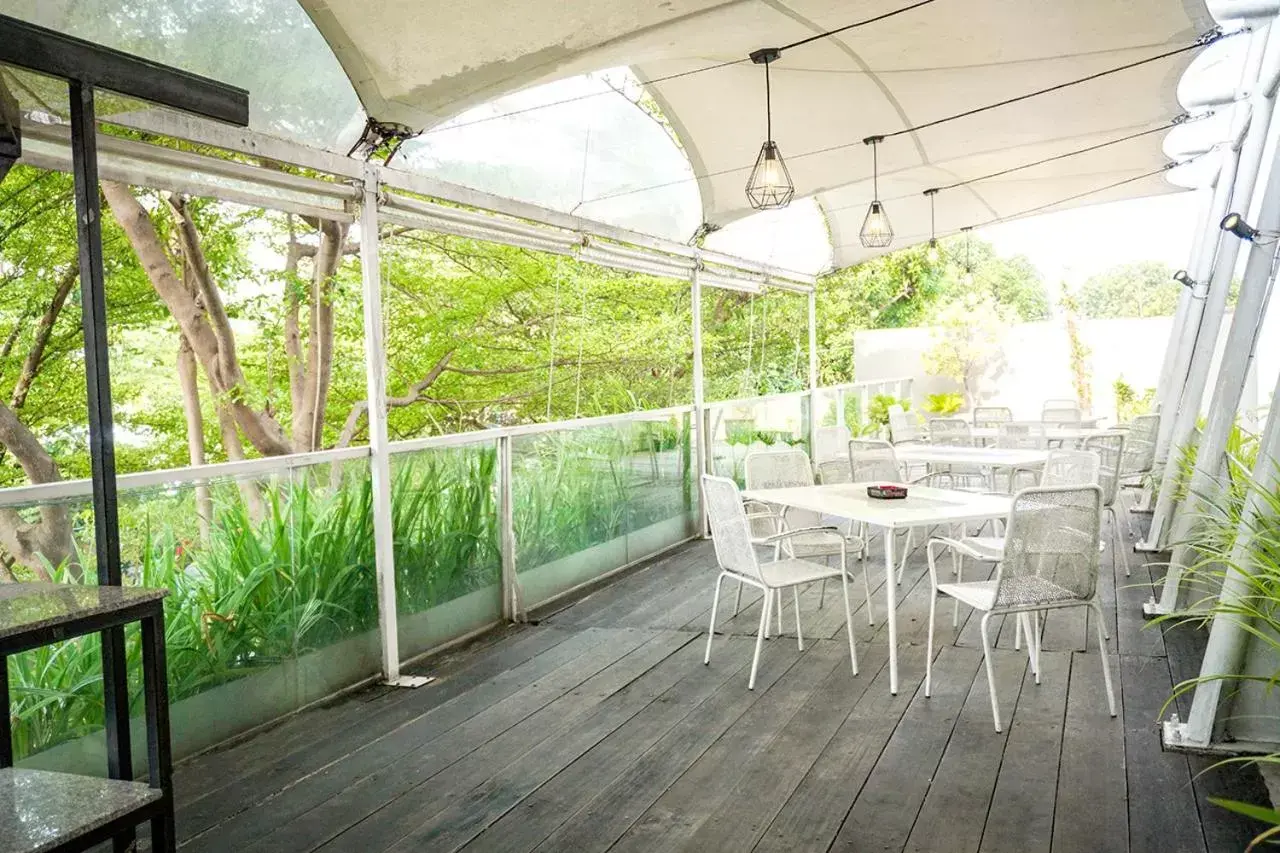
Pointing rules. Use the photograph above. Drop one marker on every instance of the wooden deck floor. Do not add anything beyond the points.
(600, 729)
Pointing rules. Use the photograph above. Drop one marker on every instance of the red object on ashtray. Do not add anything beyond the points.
(887, 492)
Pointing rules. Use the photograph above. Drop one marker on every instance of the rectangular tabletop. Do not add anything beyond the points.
(923, 505)
(35, 613)
(989, 457)
(1052, 433)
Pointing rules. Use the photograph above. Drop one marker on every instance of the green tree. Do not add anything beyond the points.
(967, 334)
(1140, 289)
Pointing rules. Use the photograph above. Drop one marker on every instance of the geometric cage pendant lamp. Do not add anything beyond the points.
(769, 186)
(876, 231)
(934, 252)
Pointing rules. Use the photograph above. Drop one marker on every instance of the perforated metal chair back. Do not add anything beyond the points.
(1071, 468)
(872, 460)
(991, 416)
(1110, 450)
(730, 532)
(1061, 403)
(1023, 436)
(1140, 445)
(781, 469)
(829, 443)
(1066, 416)
(835, 471)
(1051, 547)
(954, 432)
(903, 426)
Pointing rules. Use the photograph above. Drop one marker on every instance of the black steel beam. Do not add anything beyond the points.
(76, 60)
(102, 457)
(10, 130)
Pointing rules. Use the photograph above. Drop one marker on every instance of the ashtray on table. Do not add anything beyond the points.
(887, 492)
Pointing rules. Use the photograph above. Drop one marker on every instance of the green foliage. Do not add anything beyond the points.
(1140, 289)
(878, 409)
(968, 332)
(1129, 403)
(946, 403)
(1078, 351)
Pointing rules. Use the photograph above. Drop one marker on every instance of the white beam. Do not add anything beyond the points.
(699, 398)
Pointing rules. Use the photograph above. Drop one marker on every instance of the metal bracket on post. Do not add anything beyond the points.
(379, 454)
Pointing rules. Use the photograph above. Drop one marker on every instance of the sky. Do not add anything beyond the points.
(1075, 244)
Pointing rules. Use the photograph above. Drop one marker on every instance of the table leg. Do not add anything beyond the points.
(159, 759)
(891, 604)
(6, 731)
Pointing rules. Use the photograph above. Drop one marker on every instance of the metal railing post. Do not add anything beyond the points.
(702, 439)
(512, 609)
(813, 373)
(375, 354)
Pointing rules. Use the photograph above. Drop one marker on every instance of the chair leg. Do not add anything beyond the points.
(991, 675)
(928, 659)
(795, 595)
(1122, 551)
(957, 561)
(778, 604)
(866, 586)
(822, 593)
(1017, 635)
(1106, 665)
(848, 621)
(715, 602)
(737, 601)
(765, 604)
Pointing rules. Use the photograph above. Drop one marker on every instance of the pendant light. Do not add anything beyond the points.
(769, 186)
(876, 231)
(967, 278)
(934, 252)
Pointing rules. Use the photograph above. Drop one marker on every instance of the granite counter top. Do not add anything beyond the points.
(33, 606)
(40, 809)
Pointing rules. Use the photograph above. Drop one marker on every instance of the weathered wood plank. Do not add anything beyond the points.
(1163, 813)
(539, 814)
(601, 820)
(886, 807)
(1091, 810)
(1020, 819)
(952, 816)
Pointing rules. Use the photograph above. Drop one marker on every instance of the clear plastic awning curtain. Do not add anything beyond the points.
(422, 62)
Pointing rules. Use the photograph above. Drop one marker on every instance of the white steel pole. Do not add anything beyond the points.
(1213, 298)
(1237, 359)
(813, 374)
(379, 458)
(1228, 637)
(703, 440)
(1184, 297)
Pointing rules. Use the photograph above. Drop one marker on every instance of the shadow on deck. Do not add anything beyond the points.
(600, 729)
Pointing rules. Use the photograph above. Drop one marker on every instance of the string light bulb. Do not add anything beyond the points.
(769, 186)
(934, 252)
(876, 232)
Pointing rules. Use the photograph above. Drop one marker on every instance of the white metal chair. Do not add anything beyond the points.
(780, 469)
(953, 432)
(904, 428)
(1050, 561)
(834, 471)
(737, 559)
(991, 416)
(829, 443)
(1139, 455)
(1110, 450)
(1062, 416)
(1021, 436)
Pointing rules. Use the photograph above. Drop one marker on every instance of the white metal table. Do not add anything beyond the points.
(923, 506)
(984, 457)
(1051, 433)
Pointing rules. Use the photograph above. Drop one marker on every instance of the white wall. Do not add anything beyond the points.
(1033, 364)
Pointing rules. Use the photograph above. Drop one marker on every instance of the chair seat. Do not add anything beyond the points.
(821, 545)
(1015, 592)
(789, 572)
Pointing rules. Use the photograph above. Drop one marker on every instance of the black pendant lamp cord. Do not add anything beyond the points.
(768, 105)
(838, 30)
(875, 173)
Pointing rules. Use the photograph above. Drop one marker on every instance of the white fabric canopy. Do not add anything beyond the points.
(421, 61)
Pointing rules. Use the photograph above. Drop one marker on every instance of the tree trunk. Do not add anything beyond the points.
(44, 330)
(202, 319)
(190, 384)
(49, 539)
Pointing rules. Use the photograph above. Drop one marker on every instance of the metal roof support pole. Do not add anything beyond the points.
(1211, 297)
(699, 398)
(1224, 654)
(375, 355)
(1199, 241)
(1237, 359)
(813, 373)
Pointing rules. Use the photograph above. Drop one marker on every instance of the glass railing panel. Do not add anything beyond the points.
(738, 428)
(448, 565)
(659, 482)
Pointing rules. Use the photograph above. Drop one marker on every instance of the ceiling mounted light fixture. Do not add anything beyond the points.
(769, 186)
(934, 252)
(1182, 278)
(876, 231)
